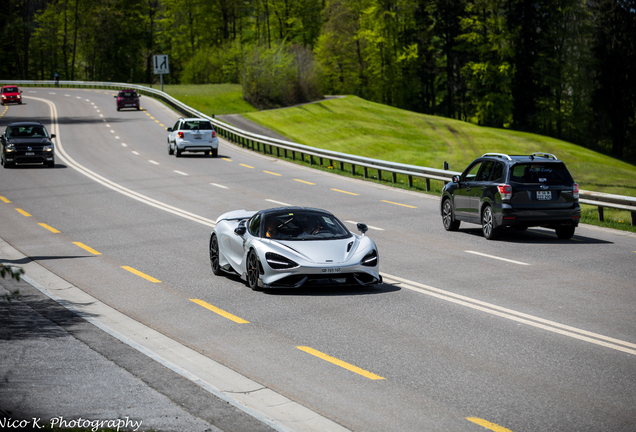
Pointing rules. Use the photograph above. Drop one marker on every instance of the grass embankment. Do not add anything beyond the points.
(356, 126)
(211, 99)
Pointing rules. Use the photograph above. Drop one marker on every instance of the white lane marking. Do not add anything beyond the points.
(219, 186)
(369, 226)
(510, 314)
(67, 95)
(111, 184)
(497, 258)
(135, 153)
(279, 202)
(77, 97)
(112, 131)
(107, 125)
(153, 162)
(116, 137)
(124, 145)
(101, 115)
(182, 173)
(51, 93)
(32, 91)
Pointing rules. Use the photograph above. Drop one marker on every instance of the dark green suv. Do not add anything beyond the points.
(499, 191)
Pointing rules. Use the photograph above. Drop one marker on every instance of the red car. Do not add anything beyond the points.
(127, 99)
(11, 94)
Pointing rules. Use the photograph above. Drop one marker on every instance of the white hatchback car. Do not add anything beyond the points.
(195, 135)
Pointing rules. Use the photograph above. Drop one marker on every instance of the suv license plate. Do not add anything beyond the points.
(30, 154)
(331, 270)
(544, 195)
(198, 136)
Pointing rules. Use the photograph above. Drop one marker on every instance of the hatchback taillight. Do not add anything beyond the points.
(505, 191)
(180, 134)
(575, 191)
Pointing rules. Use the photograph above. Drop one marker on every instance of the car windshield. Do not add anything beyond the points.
(30, 131)
(554, 173)
(197, 125)
(303, 225)
(10, 90)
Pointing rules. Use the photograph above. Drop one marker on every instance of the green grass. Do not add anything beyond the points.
(211, 99)
(356, 126)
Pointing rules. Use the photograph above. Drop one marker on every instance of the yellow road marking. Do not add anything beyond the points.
(246, 166)
(350, 193)
(340, 363)
(4, 199)
(86, 248)
(50, 228)
(403, 205)
(22, 212)
(220, 311)
(487, 424)
(227, 159)
(272, 173)
(143, 275)
(306, 182)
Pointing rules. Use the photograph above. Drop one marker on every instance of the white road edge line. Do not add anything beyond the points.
(521, 317)
(219, 186)
(497, 258)
(279, 202)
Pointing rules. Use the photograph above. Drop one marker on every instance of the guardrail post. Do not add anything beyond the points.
(341, 166)
(311, 160)
(353, 169)
(633, 218)
(277, 151)
(410, 181)
(379, 175)
(428, 185)
(394, 177)
(293, 155)
(600, 214)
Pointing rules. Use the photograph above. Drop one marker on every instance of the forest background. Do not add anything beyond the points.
(561, 68)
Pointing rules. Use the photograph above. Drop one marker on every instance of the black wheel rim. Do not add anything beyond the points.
(447, 214)
(214, 254)
(252, 270)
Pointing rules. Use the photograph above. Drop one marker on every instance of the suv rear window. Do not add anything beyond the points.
(555, 173)
(196, 125)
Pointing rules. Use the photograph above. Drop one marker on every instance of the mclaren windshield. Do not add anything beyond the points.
(303, 225)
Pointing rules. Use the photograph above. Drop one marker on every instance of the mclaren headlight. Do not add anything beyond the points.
(370, 259)
(279, 262)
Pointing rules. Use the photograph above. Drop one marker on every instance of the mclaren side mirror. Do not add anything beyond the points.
(362, 228)
(240, 229)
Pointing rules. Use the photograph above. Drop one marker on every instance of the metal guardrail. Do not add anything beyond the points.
(271, 146)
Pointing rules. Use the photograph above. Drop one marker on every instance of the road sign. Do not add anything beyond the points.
(161, 64)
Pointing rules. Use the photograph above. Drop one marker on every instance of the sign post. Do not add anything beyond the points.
(161, 66)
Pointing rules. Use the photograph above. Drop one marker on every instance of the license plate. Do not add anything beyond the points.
(544, 195)
(30, 154)
(130, 105)
(331, 270)
(198, 136)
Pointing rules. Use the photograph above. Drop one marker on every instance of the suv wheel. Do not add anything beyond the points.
(491, 232)
(177, 152)
(170, 150)
(565, 233)
(447, 217)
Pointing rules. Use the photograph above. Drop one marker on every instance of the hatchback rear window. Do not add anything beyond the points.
(541, 173)
(127, 94)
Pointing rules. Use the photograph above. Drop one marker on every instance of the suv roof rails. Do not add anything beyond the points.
(501, 155)
(545, 155)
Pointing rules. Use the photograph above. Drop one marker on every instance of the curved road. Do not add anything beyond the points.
(528, 333)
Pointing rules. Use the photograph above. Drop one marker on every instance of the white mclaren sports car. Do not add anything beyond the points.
(290, 247)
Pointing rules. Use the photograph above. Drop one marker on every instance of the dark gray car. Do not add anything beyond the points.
(27, 143)
(499, 191)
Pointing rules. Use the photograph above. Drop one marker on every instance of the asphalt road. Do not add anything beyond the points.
(528, 333)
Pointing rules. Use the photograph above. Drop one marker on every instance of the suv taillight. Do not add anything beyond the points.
(213, 134)
(575, 191)
(180, 134)
(505, 191)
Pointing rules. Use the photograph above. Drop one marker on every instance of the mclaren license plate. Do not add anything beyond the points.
(544, 195)
(331, 270)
